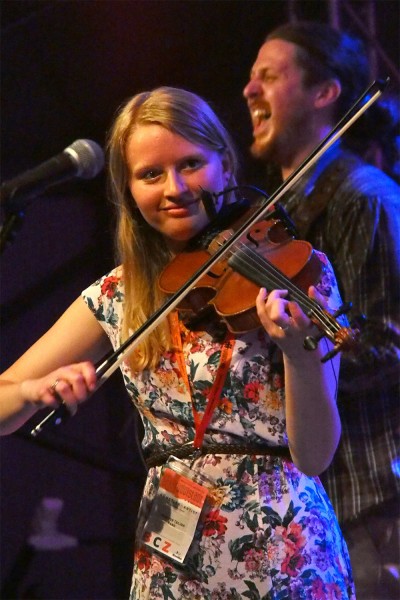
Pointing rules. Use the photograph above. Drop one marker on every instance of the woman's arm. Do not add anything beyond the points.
(312, 419)
(66, 354)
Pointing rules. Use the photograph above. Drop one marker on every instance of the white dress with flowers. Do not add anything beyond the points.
(272, 534)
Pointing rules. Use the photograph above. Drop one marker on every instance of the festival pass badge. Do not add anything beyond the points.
(176, 510)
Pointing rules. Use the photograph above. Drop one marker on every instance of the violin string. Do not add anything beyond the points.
(258, 263)
(269, 270)
(277, 277)
(312, 307)
(258, 266)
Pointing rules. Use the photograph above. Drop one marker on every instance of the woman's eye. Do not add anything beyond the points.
(192, 163)
(149, 175)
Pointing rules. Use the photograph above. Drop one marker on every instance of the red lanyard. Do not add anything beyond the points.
(201, 422)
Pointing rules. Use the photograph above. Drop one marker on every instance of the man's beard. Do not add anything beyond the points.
(281, 147)
(260, 152)
(264, 151)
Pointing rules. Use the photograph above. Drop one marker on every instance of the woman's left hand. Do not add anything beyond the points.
(284, 320)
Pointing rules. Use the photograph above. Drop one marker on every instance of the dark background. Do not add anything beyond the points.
(66, 67)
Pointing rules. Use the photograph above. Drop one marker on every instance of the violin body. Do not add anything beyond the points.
(228, 291)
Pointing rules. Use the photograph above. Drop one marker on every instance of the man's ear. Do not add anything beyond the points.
(327, 93)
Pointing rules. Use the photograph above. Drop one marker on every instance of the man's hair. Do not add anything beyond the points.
(326, 53)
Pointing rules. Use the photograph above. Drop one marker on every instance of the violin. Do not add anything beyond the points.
(269, 257)
(111, 362)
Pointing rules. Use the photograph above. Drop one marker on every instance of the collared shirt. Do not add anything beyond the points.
(351, 211)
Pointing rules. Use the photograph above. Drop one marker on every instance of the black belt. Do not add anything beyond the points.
(187, 451)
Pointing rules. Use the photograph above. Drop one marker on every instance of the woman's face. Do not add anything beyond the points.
(167, 175)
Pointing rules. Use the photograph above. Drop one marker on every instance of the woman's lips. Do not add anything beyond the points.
(180, 209)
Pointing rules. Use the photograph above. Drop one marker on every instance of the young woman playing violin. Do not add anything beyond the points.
(250, 419)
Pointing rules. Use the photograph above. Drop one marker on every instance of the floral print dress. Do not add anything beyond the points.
(271, 533)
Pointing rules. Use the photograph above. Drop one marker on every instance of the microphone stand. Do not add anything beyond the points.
(14, 213)
(12, 223)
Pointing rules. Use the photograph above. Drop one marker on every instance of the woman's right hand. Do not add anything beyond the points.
(70, 385)
(58, 368)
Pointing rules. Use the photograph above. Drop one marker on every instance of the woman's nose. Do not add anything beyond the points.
(175, 184)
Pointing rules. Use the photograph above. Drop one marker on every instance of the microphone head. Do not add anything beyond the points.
(208, 199)
(88, 157)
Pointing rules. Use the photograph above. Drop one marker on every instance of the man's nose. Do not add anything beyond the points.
(175, 184)
(252, 89)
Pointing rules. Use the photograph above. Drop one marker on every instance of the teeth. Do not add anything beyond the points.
(258, 113)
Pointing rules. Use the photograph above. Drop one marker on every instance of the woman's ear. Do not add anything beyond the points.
(227, 166)
(327, 93)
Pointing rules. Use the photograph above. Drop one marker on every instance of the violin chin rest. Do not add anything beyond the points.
(208, 321)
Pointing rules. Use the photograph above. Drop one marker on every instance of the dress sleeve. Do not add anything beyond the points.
(327, 284)
(105, 300)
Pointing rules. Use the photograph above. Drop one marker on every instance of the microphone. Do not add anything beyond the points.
(83, 159)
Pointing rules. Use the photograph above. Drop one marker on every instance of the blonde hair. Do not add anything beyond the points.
(189, 116)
